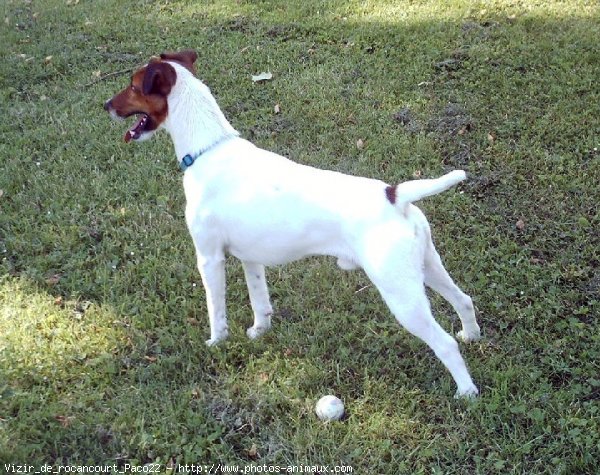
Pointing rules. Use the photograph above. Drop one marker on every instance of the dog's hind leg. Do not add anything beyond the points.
(408, 302)
(418, 320)
(438, 279)
(259, 298)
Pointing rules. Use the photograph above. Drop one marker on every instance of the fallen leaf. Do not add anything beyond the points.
(288, 352)
(417, 174)
(277, 109)
(253, 451)
(1, 193)
(262, 77)
(263, 377)
(151, 359)
(48, 59)
(520, 224)
(58, 301)
(64, 421)
(360, 144)
(53, 279)
(491, 138)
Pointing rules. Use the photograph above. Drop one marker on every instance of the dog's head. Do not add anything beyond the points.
(146, 95)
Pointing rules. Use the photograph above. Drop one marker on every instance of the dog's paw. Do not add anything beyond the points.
(216, 339)
(254, 332)
(470, 392)
(468, 337)
(213, 341)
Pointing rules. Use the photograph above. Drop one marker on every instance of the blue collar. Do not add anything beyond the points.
(188, 160)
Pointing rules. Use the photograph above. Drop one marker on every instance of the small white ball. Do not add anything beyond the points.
(329, 408)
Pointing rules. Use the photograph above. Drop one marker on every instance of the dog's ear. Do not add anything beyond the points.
(158, 78)
(186, 58)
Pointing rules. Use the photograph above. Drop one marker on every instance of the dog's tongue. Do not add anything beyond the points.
(136, 130)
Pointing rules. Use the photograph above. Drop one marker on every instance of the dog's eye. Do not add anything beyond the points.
(134, 88)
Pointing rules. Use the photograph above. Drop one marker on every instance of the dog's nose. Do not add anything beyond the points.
(108, 105)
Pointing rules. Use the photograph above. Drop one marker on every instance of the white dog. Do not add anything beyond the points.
(266, 210)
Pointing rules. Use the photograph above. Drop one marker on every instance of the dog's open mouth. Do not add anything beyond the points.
(140, 125)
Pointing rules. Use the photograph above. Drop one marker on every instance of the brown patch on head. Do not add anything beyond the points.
(390, 193)
(186, 58)
(146, 96)
(158, 79)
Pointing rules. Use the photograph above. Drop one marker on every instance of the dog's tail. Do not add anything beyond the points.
(410, 191)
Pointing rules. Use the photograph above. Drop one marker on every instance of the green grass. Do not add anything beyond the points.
(102, 315)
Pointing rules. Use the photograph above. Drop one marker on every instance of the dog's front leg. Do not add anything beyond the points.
(212, 271)
(259, 298)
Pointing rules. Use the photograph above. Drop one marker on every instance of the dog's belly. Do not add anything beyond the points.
(271, 256)
(276, 248)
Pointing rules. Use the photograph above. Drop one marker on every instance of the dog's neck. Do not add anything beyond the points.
(195, 121)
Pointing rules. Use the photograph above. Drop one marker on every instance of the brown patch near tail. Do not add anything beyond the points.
(390, 193)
